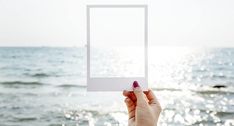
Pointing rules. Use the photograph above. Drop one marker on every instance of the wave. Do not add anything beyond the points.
(72, 85)
(219, 76)
(38, 75)
(25, 119)
(202, 90)
(218, 86)
(166, 89)
(21, 83)
(217, 112)
(39, 83)
(214, 91)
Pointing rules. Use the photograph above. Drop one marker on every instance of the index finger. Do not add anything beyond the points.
(130, 95)
(151, 97)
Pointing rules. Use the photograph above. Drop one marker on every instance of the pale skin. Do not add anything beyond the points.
(143, 107)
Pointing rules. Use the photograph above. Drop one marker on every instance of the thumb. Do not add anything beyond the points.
(139, 94)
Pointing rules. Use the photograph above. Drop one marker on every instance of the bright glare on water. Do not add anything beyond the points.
(47, 86)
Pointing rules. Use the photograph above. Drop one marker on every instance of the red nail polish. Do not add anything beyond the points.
(135, 84)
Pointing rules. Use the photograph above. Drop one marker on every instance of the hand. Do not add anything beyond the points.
(143, 107)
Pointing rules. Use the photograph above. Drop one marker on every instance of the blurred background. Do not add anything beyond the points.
(43, 64)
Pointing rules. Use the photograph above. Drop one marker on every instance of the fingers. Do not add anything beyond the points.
(141, 101)
(130, 95)
(126, 93)
(153, 100)
(151, 97)
(140, 96)
(131, 107)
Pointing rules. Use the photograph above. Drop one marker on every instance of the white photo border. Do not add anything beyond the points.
(98, 84)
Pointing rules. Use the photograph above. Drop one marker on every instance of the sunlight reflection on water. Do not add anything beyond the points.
(46, 86)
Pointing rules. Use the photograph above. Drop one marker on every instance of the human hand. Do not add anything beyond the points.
(143, 107)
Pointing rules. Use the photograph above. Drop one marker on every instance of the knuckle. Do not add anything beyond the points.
(126, 100)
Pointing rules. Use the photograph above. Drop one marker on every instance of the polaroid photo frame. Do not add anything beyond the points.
(117, 83)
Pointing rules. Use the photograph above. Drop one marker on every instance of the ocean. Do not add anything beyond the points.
(46, 86)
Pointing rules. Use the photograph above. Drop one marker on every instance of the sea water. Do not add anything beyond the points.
(45, 86)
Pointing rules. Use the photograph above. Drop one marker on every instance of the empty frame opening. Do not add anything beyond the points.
(117, 42)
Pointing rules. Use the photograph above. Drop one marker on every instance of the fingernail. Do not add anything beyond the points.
(135, 84)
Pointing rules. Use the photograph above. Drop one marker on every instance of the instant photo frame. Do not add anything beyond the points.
(117, 83)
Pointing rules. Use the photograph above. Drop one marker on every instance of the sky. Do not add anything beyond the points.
(63, 22)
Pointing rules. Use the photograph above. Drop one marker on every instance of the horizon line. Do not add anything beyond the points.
(84, 46)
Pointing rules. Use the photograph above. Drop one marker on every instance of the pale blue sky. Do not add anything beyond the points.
(63, 22)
